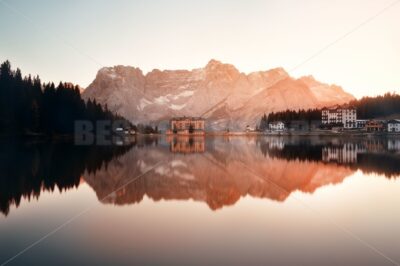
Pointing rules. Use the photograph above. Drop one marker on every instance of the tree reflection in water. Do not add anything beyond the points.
(27, 169)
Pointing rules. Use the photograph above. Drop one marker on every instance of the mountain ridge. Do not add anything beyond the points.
(226, 97)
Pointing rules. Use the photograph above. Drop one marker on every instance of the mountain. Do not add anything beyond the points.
(220, 93)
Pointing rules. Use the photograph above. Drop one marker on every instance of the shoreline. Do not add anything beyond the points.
(305, 133)
(57, 138)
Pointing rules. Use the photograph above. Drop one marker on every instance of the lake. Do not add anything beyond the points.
(202, 201)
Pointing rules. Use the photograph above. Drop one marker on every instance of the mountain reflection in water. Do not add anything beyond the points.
(219, 176)
(216, 170)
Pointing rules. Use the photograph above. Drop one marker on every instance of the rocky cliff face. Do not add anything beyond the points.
(226, 97)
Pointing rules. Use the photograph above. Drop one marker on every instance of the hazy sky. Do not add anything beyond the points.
(70, 40)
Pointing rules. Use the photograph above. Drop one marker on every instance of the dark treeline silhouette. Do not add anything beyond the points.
(289, 115)
(379, 106)
(263, 123)
(146, 129)
(380, 163)
(28, 107)
(302, 151)
(28, 169)
(367, 108)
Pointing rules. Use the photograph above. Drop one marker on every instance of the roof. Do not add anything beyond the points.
(374, 121)
(186, 118)
(276, 122)
(335, 108)
(394, 121)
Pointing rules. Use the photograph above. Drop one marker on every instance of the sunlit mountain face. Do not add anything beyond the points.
(228, 98)
(217, 171)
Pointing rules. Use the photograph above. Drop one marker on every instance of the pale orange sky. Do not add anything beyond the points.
(71, 40)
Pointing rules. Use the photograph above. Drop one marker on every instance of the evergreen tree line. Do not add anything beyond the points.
(288, 116)
(146, 129)
(367, 108)
(29, 107)
(376, 107)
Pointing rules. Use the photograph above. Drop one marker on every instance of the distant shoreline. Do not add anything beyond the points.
(310, 133)
(67, 137)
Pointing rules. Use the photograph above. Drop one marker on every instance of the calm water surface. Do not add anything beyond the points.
(196, 201)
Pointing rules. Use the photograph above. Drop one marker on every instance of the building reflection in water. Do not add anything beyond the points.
(347, 153)
(394, 145)
(344, 154)
(186, 144)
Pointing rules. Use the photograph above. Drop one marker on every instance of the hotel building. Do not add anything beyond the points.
(347, 117)
(187, 126)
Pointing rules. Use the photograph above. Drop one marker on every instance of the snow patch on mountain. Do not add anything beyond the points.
(185, 93)
(177, 107)
(143, 103)
(177, 163)
(161, 100)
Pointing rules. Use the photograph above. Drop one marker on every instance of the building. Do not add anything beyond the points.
(393, 125)
(360, 123)
(375, 126)
(187, 126)
(345, 117)
(276, 126)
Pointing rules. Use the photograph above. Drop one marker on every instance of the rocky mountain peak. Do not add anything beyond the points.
(220, 71)
(219, 92)
(308, 78)
(119, 71)
(278, 71)
(213, 64)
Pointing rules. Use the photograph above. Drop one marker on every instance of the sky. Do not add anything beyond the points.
(350, 43)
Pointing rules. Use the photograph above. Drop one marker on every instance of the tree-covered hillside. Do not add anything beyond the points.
(29, 107)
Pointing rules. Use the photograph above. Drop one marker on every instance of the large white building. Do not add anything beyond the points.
(277, 126)
(393, 125)
(344, 116)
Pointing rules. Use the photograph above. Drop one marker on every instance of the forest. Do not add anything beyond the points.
(377, 107)
(288, 116)
(30, 107)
